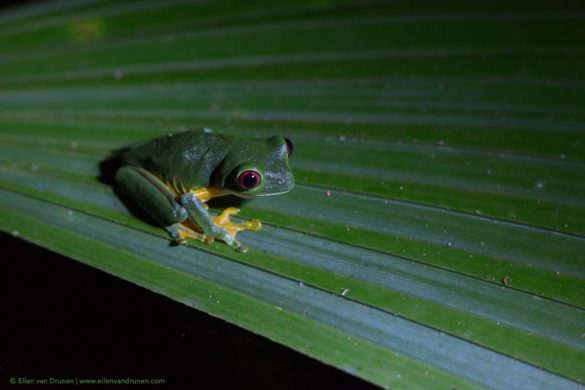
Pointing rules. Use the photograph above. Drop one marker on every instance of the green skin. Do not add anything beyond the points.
(160, 174)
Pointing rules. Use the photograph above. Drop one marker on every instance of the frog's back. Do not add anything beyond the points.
(188, 157)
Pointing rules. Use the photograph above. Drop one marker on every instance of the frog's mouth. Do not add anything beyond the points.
(273, 193)
(252, 196)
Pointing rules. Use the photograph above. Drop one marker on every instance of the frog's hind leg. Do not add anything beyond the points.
(179, 231)
(153, 196)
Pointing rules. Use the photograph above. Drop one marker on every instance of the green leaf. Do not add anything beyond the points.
(436, 235)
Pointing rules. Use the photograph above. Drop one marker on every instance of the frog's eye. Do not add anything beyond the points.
(249, 179)
(289, 146)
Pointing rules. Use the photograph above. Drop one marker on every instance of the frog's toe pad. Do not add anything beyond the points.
(178, 241)
(241, 248)
(253, 224)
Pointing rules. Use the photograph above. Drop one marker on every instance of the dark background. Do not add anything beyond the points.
(62, 319)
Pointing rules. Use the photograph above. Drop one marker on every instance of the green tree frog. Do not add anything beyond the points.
(171, 178)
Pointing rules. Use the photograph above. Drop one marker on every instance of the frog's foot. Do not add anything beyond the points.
(232, 228)
(180, 231)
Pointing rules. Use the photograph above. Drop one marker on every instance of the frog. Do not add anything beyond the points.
(172, 178)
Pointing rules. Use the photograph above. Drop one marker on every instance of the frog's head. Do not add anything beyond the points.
(256, 168)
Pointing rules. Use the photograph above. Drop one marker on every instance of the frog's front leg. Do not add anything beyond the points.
(223, 220)
(198, 214)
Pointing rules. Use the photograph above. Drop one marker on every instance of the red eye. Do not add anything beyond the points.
(249, 179)
(289, 146)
